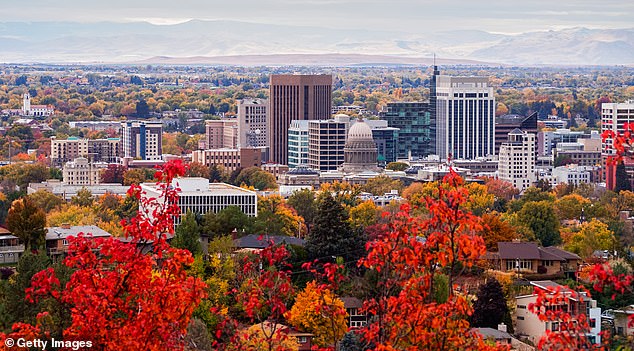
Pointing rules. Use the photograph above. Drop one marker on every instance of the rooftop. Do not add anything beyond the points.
(255, 241)
(54, 233)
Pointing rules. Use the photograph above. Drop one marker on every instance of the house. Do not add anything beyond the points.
(524, 257)
(621, 321)
(10, 247)
(57, 237)
(356, 319)
(528, 324)
(304, 340)
(497, 336)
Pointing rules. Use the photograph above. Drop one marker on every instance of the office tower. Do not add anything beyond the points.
(326, 141)
(415, 122)
(295, 97)
(221, 133)
(253, 116)
(465, 117)
(507, 123)
(142, 140)
(517, 159)
(613, 118)
(298, 144)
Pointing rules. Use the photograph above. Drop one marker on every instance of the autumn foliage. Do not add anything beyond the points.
(120, 297)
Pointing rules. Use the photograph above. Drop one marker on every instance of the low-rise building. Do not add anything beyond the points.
(525, 257)
(57, 237)
(199, 196)
(571, 174)
(82, 172)
(622, 318)
(67, 191)
(11, 248)
(529, 325)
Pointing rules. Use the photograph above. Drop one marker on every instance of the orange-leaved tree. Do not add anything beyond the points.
(122, 295)
(406, 258)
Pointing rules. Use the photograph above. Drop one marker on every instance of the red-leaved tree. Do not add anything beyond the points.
(122, 295)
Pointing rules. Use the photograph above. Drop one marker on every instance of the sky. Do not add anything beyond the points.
(413, 16)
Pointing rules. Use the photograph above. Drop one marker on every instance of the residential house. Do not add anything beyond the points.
(497, 336)
(10, 247)
(57, 237)
(622, 324)
(356, 319)
(304, 340)
(528, 324)
(525, 257)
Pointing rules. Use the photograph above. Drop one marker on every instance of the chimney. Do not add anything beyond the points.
(234, 233)
(65, 225)
(502, 327)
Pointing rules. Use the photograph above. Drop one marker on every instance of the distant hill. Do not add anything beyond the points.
(232, 42)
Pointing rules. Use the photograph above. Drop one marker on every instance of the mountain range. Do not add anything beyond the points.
(244, 43)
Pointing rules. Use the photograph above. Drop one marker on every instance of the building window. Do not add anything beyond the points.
(302, 339)
(521, 318)
(64, 242)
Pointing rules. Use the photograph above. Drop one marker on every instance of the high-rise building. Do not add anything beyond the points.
(517, 159)
(253, 117)
(613, 118)
(295, 97)
(221, 133)
(465, 117)
(326, 141)
(416, 123)
(142, 140)
(82, 172)
(507, 123)
(298, 144)
(96, 150)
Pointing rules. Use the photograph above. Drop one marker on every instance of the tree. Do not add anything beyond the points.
(320, 312)
(136, 176)
(540, 217)
(397, 166)
(120, 297)
(496, 230)
(113, 174)
(331, 234)
(142, 109)
(265, 337)
(570, 206)
(187, 234)
(71, 214)
(216, 173)
(622, 179)
(275, 217)
(381, 185)
(404, 268)
(27, 222)
(83, 198)
(303, 201)
(594, 235)
(45, 200)
(226, 221)
(490, 306)
(196, 169)
(364, 215)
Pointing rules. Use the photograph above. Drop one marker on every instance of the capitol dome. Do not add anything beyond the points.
(360, 131)
(360, 151)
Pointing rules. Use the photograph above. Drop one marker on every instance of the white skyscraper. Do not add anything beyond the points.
(613, 117)
(465, 117)
(517, 159)
(253, 118)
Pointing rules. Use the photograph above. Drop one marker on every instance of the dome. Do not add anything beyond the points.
(360, 131)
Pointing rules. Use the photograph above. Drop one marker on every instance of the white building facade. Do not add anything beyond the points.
(465, 117)
(253, 118)
(82, 172)
(517, 159)
(613, 117)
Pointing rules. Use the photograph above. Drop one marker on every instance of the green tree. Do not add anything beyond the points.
(46, 200)
(187, 234)
(27, 222)
(83, 198)
(216, 173)
(332, 234)
(540, 217)
(397, 166)
(490, 307)
(226, 221)
(594, 235)
(622, 179)
(304, 202)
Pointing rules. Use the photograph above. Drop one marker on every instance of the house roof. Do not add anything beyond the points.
(351, 302)
(492, 333)
(54, 233)
(513, 250)
(254, 241)
(530, 251)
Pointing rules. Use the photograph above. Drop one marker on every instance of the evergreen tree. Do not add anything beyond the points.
(187, 234)
(331, 234)
(490, 307)
(622, 179)
(142, 109)
(303, 201)
(215, 174)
